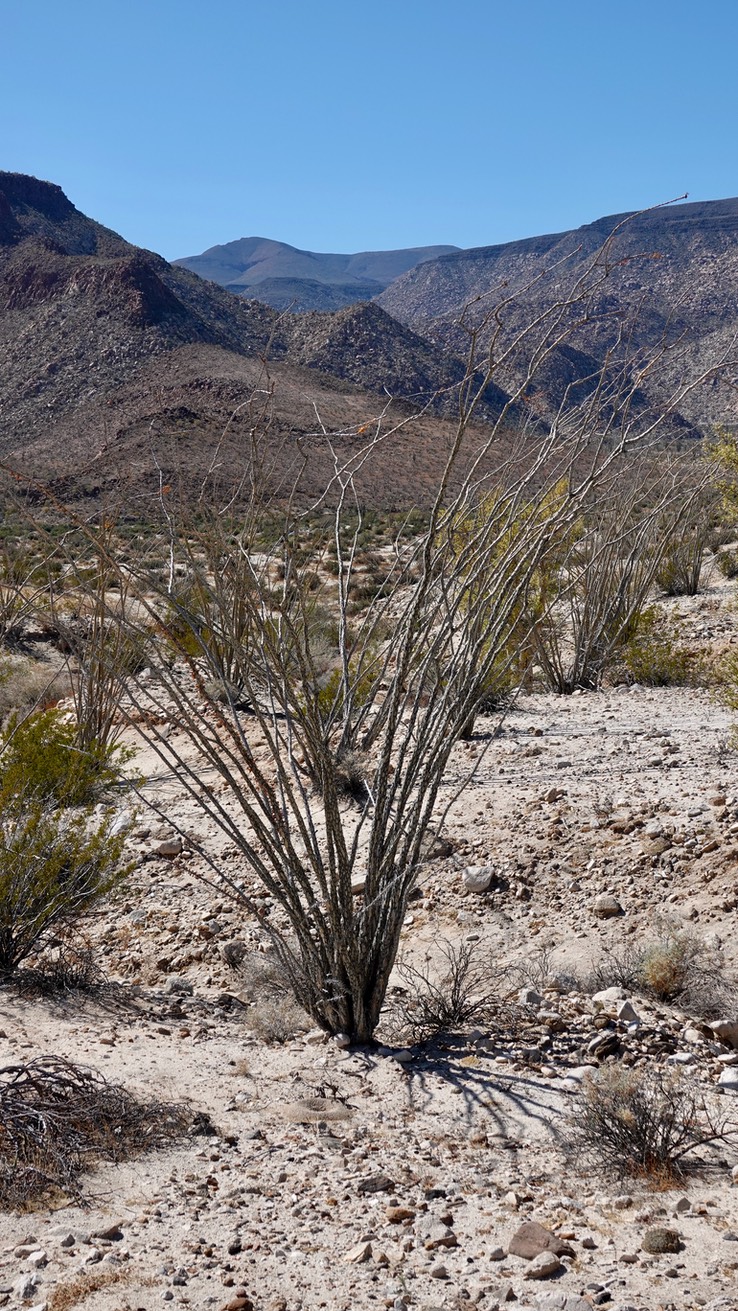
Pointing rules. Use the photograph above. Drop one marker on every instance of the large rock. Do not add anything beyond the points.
(726, 1031)
(606, 906)
(531, 1238)
(478, 878)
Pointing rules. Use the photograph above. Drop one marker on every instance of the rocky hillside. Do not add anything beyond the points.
(106, 346)
(671, 275)
(282, 276)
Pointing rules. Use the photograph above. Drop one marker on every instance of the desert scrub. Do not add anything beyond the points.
(726, 560)
(54, 866)
(655, 656)
(56, 1119)
(678, 967)
(646, 1124)
(456, 985)
(40, 757)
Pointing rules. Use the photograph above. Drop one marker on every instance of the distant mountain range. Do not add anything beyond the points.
(287, 278)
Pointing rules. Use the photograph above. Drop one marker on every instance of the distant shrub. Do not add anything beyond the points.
(29, 684)
(726, 560)
(654, 656)
(678, 967)
(681, 565)
(40, 757)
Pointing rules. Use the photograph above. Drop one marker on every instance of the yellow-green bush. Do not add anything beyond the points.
(40, 758)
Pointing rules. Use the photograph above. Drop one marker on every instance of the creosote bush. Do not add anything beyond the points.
(648, 1124)
(678, 967)
(54, 866)
(655, 655)
(40, 757)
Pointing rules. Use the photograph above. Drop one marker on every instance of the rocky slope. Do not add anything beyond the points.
(108, 349)
(671, 274)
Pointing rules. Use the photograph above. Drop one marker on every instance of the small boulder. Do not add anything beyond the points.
(532, 1238)
(606, 906)
(726, 1031)
(543, 1266)
(478, 878)
(658, 1241)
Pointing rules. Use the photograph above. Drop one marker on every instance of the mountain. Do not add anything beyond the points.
(287, 278)
(116, 362)
(669, 279)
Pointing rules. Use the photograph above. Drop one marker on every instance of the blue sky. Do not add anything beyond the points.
(345, 126)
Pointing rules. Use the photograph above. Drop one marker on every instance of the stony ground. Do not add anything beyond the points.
(409, 1177)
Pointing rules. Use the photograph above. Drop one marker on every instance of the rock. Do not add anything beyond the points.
(682, 1205)
(726, 1031)
(627, 1013)
(608, 998)
(438, 1272)
(655, 846)
(606, 906)
(359, 1254)
(478, 878)
(532, 1238)
(358, 884)
(543, 1266)
(605, 1044)
(657, 1241)
(529, 997)
(729, 1079)
(396, 1214)
(376, 1183)
(169, 848)
(25, 1288)
(113, 1233)
(440, 1235)
(342, 1040)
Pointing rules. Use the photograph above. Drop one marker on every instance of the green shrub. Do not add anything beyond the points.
(54, 865)
(654, 656)
(40, 758)
(727, 561)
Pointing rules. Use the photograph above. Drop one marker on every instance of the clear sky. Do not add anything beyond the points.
(350, 126)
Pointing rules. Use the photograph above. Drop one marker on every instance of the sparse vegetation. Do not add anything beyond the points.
(656, 654)
(57, 1119)
(679, 967)
(54, 866)
(456, 985)
(650, 1124)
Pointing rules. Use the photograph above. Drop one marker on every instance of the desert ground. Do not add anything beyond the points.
(398, 1176)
